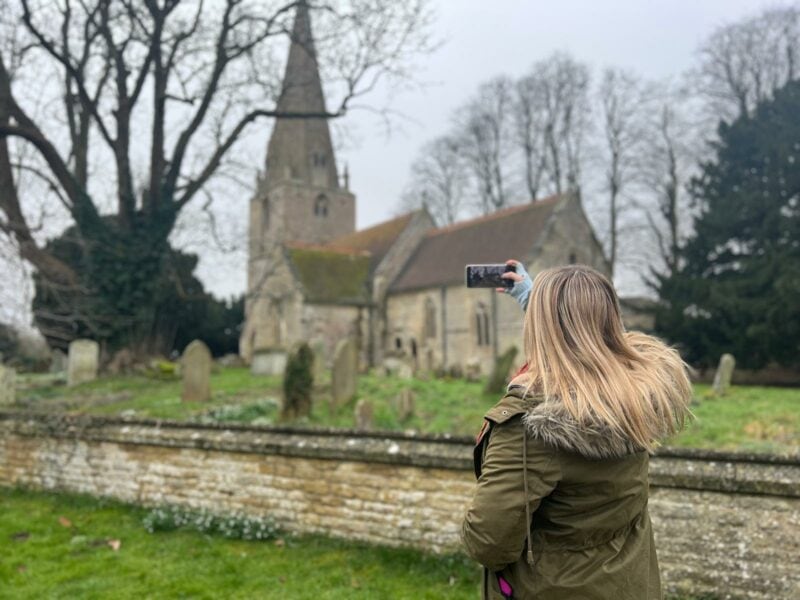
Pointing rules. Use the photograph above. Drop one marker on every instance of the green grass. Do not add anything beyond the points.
(759, 419)
(43, 559)
(147, 397)
(755, 419)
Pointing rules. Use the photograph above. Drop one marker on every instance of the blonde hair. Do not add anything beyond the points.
(579, 354)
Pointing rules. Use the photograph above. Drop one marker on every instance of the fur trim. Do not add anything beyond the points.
(549, 422)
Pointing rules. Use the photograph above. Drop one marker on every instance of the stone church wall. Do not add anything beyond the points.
(568, 239)
(726, 525)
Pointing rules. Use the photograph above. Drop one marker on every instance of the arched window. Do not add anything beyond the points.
(398, 343)
(572, 258)
(430, 318)
(413, 347)
(319, 159)
(482, 324)
(321, 206)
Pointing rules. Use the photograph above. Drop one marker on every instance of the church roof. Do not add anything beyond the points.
(441, 257)
(377, 240)
(331, 276)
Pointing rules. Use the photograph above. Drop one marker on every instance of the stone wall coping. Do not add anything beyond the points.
(683, 468)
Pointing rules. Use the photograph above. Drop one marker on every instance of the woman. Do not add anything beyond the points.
(560, 508)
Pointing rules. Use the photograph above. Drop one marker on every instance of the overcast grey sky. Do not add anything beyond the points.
(482, 39)
(656, 38)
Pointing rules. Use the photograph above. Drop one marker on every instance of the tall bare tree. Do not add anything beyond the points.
(148, 99)
(552, 121)
(623, 102)
(742, 63)
(670, 157)
(565, 85)
(485, 140)
(438, 181)
(531, 120)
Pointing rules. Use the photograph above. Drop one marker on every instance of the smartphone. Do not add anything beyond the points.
(488, 276)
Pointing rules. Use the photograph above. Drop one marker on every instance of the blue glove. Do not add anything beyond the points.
(521, 291)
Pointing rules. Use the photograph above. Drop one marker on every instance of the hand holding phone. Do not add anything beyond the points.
(489, 276)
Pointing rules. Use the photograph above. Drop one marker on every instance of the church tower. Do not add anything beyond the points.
(298, 198)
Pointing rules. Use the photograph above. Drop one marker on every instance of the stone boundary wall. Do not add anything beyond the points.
(727, 525)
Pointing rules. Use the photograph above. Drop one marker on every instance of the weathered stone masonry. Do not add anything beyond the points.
(728, 525)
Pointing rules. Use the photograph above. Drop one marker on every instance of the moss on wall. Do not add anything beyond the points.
(331, 276)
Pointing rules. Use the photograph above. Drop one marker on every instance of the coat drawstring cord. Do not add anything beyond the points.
(525, 487)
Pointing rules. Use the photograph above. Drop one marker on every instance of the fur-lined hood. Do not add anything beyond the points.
(548, 421)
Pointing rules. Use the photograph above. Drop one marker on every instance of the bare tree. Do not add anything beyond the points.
(742, 63)
(531, 120)
(670, 156)
(438, 180)
(623, 103)
(552, 120)
(565, 86)
(484, 124)
(183, 79)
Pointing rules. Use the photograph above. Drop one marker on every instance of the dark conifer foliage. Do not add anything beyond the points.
(738, 286)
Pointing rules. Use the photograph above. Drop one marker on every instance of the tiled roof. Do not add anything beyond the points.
(443, 253)
(377, 240)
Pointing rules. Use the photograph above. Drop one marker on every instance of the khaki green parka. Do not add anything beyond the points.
(559, 511)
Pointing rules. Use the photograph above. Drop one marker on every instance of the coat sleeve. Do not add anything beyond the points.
(494, 529)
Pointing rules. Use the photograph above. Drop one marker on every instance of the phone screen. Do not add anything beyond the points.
(488, 276)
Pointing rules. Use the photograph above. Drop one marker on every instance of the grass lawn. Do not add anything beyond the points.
(60, 546)
(749, 418)
(57, 546)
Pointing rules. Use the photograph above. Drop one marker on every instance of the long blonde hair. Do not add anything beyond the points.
(579, 353)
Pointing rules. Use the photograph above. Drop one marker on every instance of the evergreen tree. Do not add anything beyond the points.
(738, 287)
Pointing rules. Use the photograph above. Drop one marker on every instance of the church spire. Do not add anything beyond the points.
(300, 149)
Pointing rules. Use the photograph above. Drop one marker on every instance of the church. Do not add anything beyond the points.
(397, 288)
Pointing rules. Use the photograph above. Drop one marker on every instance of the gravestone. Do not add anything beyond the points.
(472, 370)
(82, 361)
(500, 372)
(344, 376)
(268, 362)
(8, 382)
(298, 381)
(364, 414)
(722, 378)
(196, 372)
(405, 371)
(58, 361)
(320, 367)
(121, 362)
(404, 404)
(399, 367)
(231, 361)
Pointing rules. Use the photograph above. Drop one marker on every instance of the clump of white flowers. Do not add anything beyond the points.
(236, 525)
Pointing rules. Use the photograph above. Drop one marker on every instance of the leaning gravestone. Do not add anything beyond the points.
(196, 372)
(404, 404)
(364, 414)
(82, 361)
(722, 378)
(8, 382)
(345, 372)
